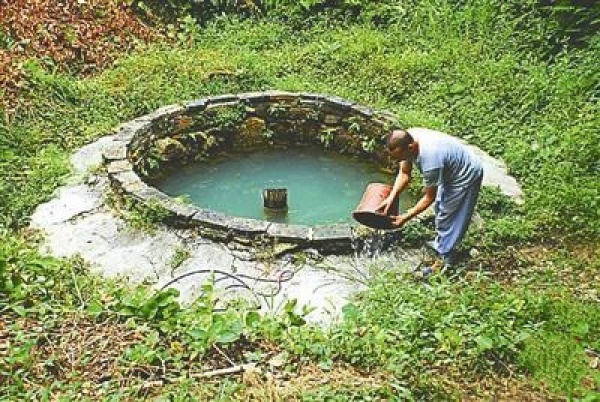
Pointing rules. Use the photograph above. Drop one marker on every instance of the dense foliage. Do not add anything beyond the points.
(520, 79)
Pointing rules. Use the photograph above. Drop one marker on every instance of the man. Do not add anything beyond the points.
(452, 179)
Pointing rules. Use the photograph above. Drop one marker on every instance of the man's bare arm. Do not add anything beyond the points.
(421, 205)
(402, 179)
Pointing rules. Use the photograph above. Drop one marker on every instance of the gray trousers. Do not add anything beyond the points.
(453, 211)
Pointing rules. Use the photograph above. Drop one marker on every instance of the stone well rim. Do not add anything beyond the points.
(217, 224)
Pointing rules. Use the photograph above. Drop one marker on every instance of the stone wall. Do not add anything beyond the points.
(177, 134)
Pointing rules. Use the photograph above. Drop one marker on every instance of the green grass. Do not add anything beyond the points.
(557, 360)
(419, 331)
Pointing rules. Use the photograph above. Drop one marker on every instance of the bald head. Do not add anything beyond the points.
(399, 139)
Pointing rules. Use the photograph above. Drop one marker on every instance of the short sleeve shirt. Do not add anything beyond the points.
(444, 160)
(432, 177)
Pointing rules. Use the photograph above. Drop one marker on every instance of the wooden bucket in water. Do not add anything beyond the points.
(275, 199)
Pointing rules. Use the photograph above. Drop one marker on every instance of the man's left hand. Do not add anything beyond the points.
(399, 220)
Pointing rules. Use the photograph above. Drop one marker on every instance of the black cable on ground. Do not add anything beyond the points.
(284, 276)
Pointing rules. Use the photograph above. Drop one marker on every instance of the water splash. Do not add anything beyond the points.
(371, 243)
(369, 246)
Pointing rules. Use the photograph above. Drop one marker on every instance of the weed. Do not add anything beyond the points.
(268, 133)
(179, 256)
(326, 136)
(144, 216)
(228, 117)
(557, 359)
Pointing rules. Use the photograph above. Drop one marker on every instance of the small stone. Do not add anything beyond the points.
(332, 119)
(341, 102)
(362, 110)
(165, 111)
(130, 182)
(211, 219)
(170, 149)
(180, 209)
(119, 166)
(116, 151)
(253, 96)
(214, 106)
(246, 226)
(278, 360)
(313, 97)
(196, 106)
(284, 248)
(127, 131)
(332, 232)
(253, 126)
(281, 95)
(225, 98)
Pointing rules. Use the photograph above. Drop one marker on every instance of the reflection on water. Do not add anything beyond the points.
(323, 187)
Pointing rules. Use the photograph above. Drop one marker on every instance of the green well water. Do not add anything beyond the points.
(323, 187)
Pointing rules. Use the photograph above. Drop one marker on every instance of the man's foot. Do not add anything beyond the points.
(422, 272)
(425, 271)
(449, 259)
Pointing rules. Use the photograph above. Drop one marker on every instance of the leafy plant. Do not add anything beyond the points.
(179, 256)
(557, 360)
(268, 133)
(369, 144)
(416, 234)
(401, 326)
(326, 136)
(229, 117)
(493, 204)
(142, 304)
(353, 125)
(143, 215)
(277, 111)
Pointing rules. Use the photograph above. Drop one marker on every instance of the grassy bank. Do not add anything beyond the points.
(503, 76)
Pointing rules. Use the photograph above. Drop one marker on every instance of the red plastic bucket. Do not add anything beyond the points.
(366, 212)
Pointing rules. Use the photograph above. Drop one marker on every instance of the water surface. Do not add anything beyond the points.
(323, 187)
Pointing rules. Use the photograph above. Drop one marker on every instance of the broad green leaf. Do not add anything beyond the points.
(484, 343)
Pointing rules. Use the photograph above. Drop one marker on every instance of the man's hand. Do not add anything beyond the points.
(421, 205)
(399, 220)
(385, 205)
